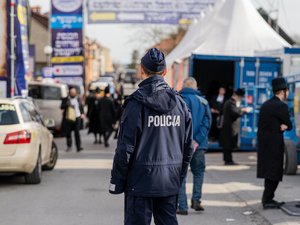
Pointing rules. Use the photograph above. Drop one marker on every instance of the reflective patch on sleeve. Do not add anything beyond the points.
(112, 187)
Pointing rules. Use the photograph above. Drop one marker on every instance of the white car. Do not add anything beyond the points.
(47, 96)
(26, 145)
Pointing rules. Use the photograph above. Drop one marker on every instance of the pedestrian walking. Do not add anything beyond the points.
(202, 119)
(94, 113)
(72, 119)
(107, 115)
(154, 147)
(274, 120)
(232, 112)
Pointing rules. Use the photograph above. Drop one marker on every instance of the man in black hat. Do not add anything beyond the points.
(154, 149)
(232, 112)
(274, 119)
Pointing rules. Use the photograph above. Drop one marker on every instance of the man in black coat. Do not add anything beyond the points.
(154, 149)
(232, 112)
(274, 119)
(216, 104)
(107, 115)
(68, 125)
(93, 115)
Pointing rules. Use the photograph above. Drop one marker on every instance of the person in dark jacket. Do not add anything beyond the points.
(232, 112)
(154, 149)
(107, 115)
(216, 105)
(72, 125)
(201, 117)
(274, 120)
(94, 116)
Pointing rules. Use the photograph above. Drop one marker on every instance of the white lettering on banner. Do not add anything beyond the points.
(250, 73)
(164, 121)
(67, 5)
(265, 73)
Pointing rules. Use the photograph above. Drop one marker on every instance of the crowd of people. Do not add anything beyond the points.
(163, 132)
(103, 114)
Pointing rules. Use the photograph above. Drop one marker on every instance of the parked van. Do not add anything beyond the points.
(47, 96)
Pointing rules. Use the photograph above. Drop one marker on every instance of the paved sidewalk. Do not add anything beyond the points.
(76, 193)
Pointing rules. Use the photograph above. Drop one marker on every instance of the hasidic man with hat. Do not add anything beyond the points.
(274, 120)
(154, 149)
(232, 112)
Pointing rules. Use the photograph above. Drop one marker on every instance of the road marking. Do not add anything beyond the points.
(68, 164)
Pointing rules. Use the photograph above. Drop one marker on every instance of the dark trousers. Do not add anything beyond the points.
(139, 210)
(106, 135)
(227, 155)
(229, 147)
(74, 126)
(269, 192)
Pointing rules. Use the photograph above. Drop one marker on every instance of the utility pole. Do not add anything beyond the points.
(12, 48)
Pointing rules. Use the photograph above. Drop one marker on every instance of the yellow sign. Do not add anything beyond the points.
(103, 16)
(185, 22)
(5, 107)
(72, 59)
(22, 15)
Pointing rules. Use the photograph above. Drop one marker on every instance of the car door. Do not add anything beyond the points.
(41, 135)
(47, 136)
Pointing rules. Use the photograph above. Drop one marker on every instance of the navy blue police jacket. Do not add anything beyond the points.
(155, 143)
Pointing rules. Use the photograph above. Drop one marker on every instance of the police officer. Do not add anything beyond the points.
(202, 120)
(232, 112)
(274, 119)
(154, 149)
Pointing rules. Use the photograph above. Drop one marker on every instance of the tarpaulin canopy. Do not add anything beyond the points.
(233, 27)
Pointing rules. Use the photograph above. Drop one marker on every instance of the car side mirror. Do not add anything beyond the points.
(49, 123)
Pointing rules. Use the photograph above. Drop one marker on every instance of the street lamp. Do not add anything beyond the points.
(48, 52)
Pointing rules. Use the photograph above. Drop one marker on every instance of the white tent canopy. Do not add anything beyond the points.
(233, 27)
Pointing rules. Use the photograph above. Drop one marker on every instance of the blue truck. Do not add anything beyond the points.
(254, 74)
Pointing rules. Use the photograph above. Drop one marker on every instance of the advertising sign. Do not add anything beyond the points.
(67, 39)
(22, 51)
(47, 72)
(146, 11)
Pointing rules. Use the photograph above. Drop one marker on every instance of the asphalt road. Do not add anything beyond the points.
(76, 193)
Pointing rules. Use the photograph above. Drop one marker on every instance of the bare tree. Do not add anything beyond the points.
(149, 35)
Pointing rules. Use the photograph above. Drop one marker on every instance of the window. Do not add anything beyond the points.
(8, 114)
(44, 92)
(25, 114)
(35, 116)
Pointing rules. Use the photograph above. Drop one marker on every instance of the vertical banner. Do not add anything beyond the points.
(22, 74)
(67, 41)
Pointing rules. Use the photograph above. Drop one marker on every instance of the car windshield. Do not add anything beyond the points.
(130, 76)
(44, 92)
(8, 114)
(106, 79)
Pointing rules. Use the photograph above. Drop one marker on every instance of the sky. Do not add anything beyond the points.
(120, 39)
